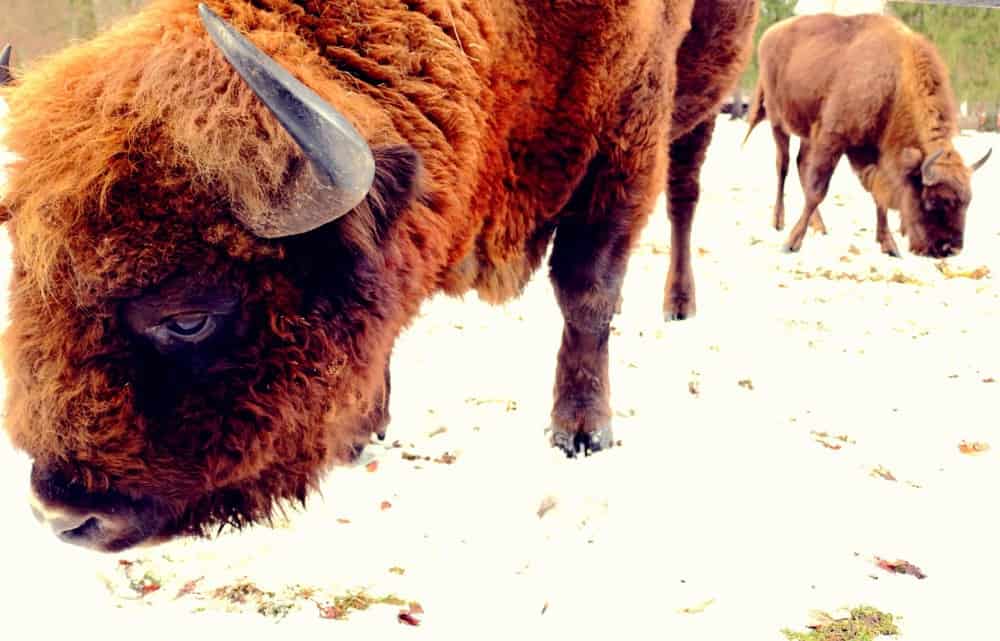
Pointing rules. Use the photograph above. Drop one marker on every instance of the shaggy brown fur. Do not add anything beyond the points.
(140, 150)
(868, 87)
(713, 55)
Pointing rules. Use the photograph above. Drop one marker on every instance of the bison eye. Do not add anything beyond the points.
(190, 327)
(186, 328)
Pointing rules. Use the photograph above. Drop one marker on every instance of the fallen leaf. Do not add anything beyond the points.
(693, 388)
(548, 503)
(385, 505)
(882, 472)
(698, 608)
(900, 566)
(447, 458)
(416, 608)
(746, 383)
(440, 430)
(188, 587)
(372, 466)
(973, 448)
(327, 611)
(148, 588)
(397, 570)
(343, 521)
(407, 618)
(975, 274)
(989, 380)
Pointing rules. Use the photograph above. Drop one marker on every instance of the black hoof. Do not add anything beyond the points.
(675, 315)
(790, 249)
(585, 443)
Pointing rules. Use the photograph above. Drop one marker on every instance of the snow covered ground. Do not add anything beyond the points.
(725, 514)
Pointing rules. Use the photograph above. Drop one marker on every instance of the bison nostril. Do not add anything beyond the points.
(77, 529)
(67, 525)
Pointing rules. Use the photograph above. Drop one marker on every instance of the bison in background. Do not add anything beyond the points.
(711, 58)
(868, 87)
(220, 226)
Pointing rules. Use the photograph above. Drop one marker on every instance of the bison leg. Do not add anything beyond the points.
(882, 234)
(374, 421)
(686, 157)
(589, 257)
(819, 165)
(801, 160)
(781, 162)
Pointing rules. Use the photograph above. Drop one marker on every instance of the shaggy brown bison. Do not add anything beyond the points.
(711, 58)
(221, 224)
(868, 87)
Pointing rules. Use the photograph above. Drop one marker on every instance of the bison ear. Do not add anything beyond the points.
(396, 185)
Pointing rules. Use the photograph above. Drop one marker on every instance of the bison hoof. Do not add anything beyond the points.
(678, 311)
(890, 249)
(586, 443)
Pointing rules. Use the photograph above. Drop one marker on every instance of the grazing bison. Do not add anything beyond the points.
(868, 87)
(211, 261)
(711, 58)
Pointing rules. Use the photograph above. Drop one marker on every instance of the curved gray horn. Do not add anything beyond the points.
(982, 161)
(341, 164)
(5, 75)
(926, 172)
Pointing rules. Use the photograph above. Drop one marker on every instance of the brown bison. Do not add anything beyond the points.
(868, 87)
(711, 58)
(221, 224)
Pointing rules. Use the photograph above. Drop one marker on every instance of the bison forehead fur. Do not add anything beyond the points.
(163, 359)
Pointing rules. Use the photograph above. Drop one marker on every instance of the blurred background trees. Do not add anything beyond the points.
(38, 27)
(968, 39)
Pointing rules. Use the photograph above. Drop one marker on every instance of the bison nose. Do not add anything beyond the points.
(78, 528)
(945, 248)
(71, 526)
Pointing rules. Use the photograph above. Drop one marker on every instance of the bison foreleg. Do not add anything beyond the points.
(687, 154)
(801, 160)
(374, 421)
(819, 165)
(589, 257)
(781, 164)
(882, 234)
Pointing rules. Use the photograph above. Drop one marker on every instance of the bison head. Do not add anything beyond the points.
(206, 274)
(937, 191)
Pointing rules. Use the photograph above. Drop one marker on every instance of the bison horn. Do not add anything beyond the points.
(341, 166)
(982, 161)
(926, 170)
(5, 75)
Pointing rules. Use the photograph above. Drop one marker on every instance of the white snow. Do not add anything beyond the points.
(723, 496)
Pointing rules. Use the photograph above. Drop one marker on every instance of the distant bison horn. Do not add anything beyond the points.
(926, 170)
(982, 161)
(341, 167)
(5, 65)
